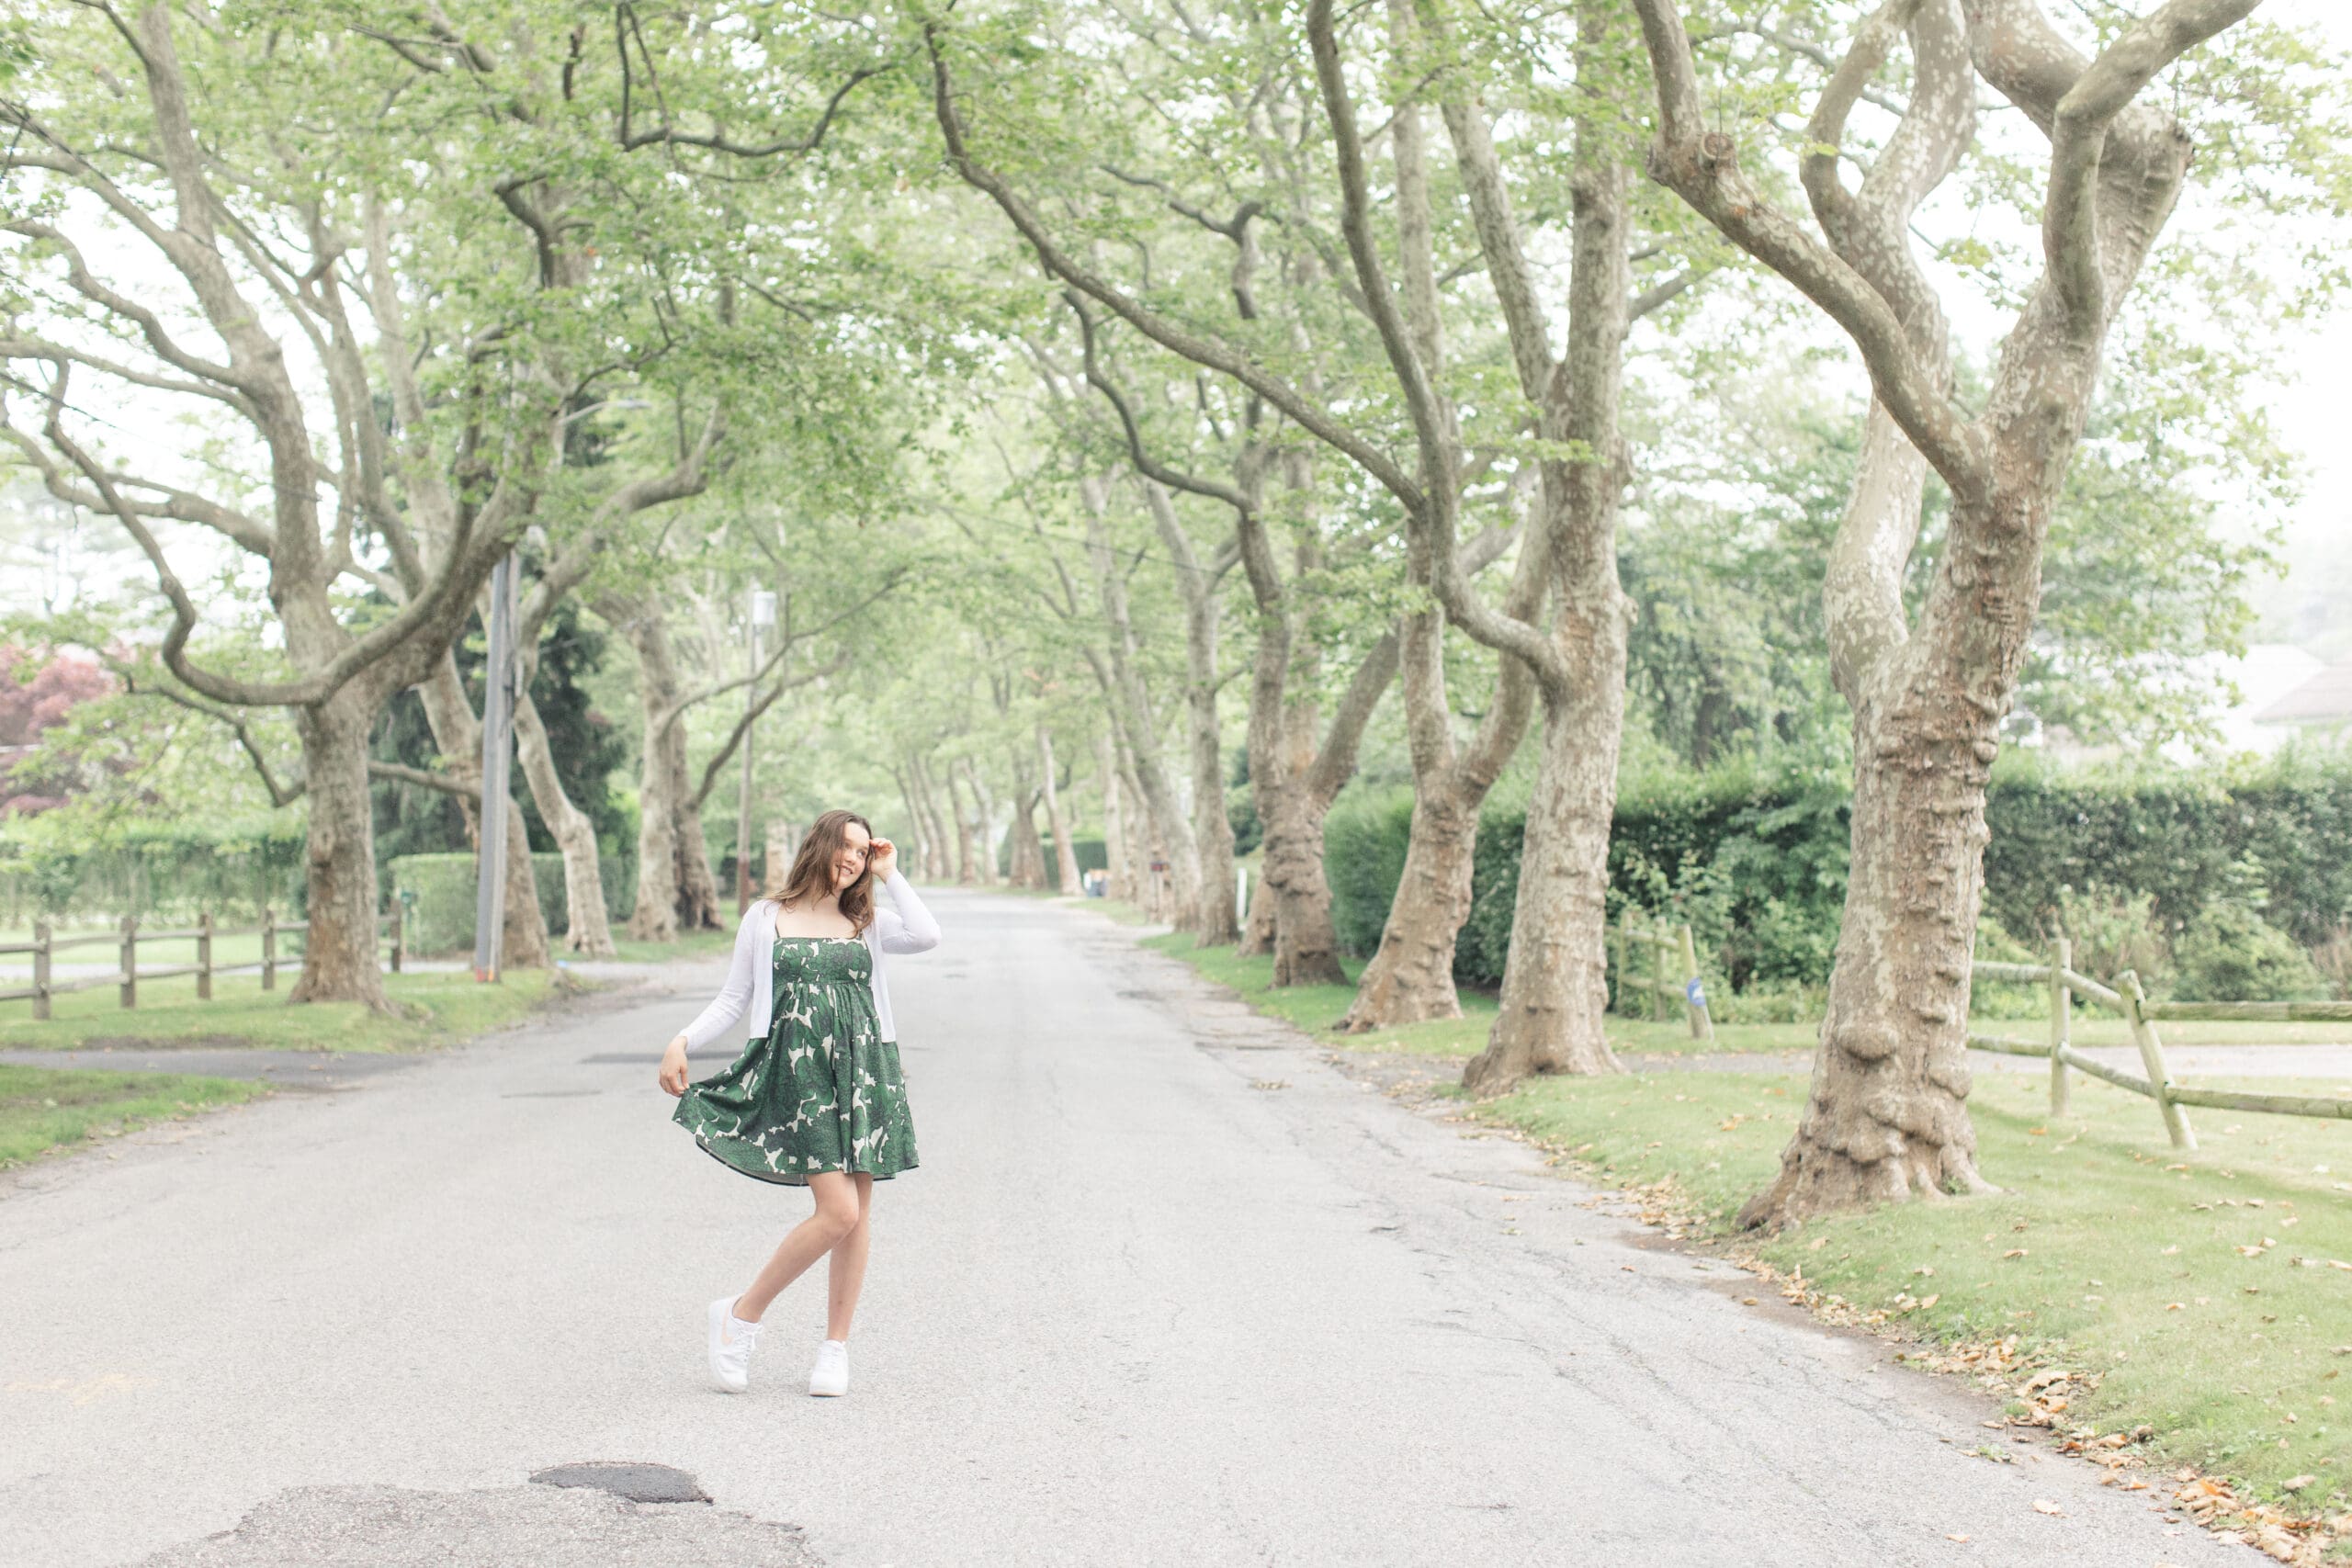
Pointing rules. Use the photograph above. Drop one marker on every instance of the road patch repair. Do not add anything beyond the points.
(582, 1515)
(630, 1483)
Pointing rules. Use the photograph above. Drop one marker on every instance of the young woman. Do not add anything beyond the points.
(815, 1099)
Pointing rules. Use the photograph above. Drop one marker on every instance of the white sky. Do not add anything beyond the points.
(2314, 408)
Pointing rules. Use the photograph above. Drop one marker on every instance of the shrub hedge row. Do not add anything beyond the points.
(1756, 863)
(440, 918)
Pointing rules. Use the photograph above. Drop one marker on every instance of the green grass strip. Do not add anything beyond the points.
(43, 1109)
(430, 1009)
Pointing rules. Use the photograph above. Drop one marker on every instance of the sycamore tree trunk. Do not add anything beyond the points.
(656, 911)
(587, 927)
(1211, 921)
(1258, 930)
(1555, 980)
(1065, 854)
(699, 906)
(1028, 853)
(1887, 1115)
(966, 834)
(457, 731)
(943, 830)
(1118, 859)
(1132, 710)
(339, 962)
(1307, 945)
(1410, 975)
(1292, 781)
(1554, 990)
(984, 834)
(1147, 845)
(938, 844)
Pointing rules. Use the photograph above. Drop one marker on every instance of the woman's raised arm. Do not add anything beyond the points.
(905, 926)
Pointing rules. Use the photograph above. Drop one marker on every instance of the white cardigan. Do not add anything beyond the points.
(907, 928)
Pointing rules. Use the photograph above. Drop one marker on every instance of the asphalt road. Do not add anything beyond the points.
(1168, 1289)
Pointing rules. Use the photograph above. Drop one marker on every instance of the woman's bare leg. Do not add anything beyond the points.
(845, 1276)
(838, 1213)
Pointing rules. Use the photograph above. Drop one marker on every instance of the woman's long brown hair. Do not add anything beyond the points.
(812, 870)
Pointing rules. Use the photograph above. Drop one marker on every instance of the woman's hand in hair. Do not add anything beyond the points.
(882, 859)
(673, 1067)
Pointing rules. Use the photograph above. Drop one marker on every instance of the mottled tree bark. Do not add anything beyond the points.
(1132, 708)
(967, 852)
(587, 927)
(339, 956)
(1028, 853)
(457, 732)
(1887, 1115)
(1411, 976)
(1065, 855)
(654, 915)
(1118, 856)
(1211, 921)
(1554, 990)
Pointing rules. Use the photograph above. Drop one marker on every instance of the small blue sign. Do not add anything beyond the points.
(1695, 993)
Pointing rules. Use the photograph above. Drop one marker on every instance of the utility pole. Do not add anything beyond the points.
(497, 752)
(762, 617)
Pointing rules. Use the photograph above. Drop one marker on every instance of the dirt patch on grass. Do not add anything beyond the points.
(180, 1043)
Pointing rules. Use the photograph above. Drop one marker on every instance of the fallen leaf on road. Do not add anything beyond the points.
(2043, 1506)
(1747, 1301)
(1957, 1537)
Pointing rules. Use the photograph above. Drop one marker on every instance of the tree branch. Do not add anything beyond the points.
(1200, 349)
(1702, 167)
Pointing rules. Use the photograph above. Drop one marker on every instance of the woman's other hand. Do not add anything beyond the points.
(673, 1067)
(883, 860)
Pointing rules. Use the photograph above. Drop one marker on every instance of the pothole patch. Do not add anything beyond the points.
(509, 1526)
(635, 1483)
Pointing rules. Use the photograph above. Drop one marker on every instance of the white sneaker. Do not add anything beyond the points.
(831, 1375)
(730, 1356)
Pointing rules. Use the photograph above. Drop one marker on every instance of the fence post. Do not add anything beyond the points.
(2152, 1056)
(130, 961)
(204, 955)
(1617, 949)
(398, 948)
(41, 968)
(269, 948)
(1659, 943)
(2061, 1008)
(1694, 995)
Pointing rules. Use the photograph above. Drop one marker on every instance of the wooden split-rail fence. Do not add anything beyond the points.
(128, 936)
(1649, 955)
(2126, 997)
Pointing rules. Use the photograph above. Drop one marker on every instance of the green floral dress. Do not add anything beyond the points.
(821, 1091)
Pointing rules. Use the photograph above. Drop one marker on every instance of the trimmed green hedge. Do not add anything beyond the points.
(155, 873)
(1756, 863)
(441, 921)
